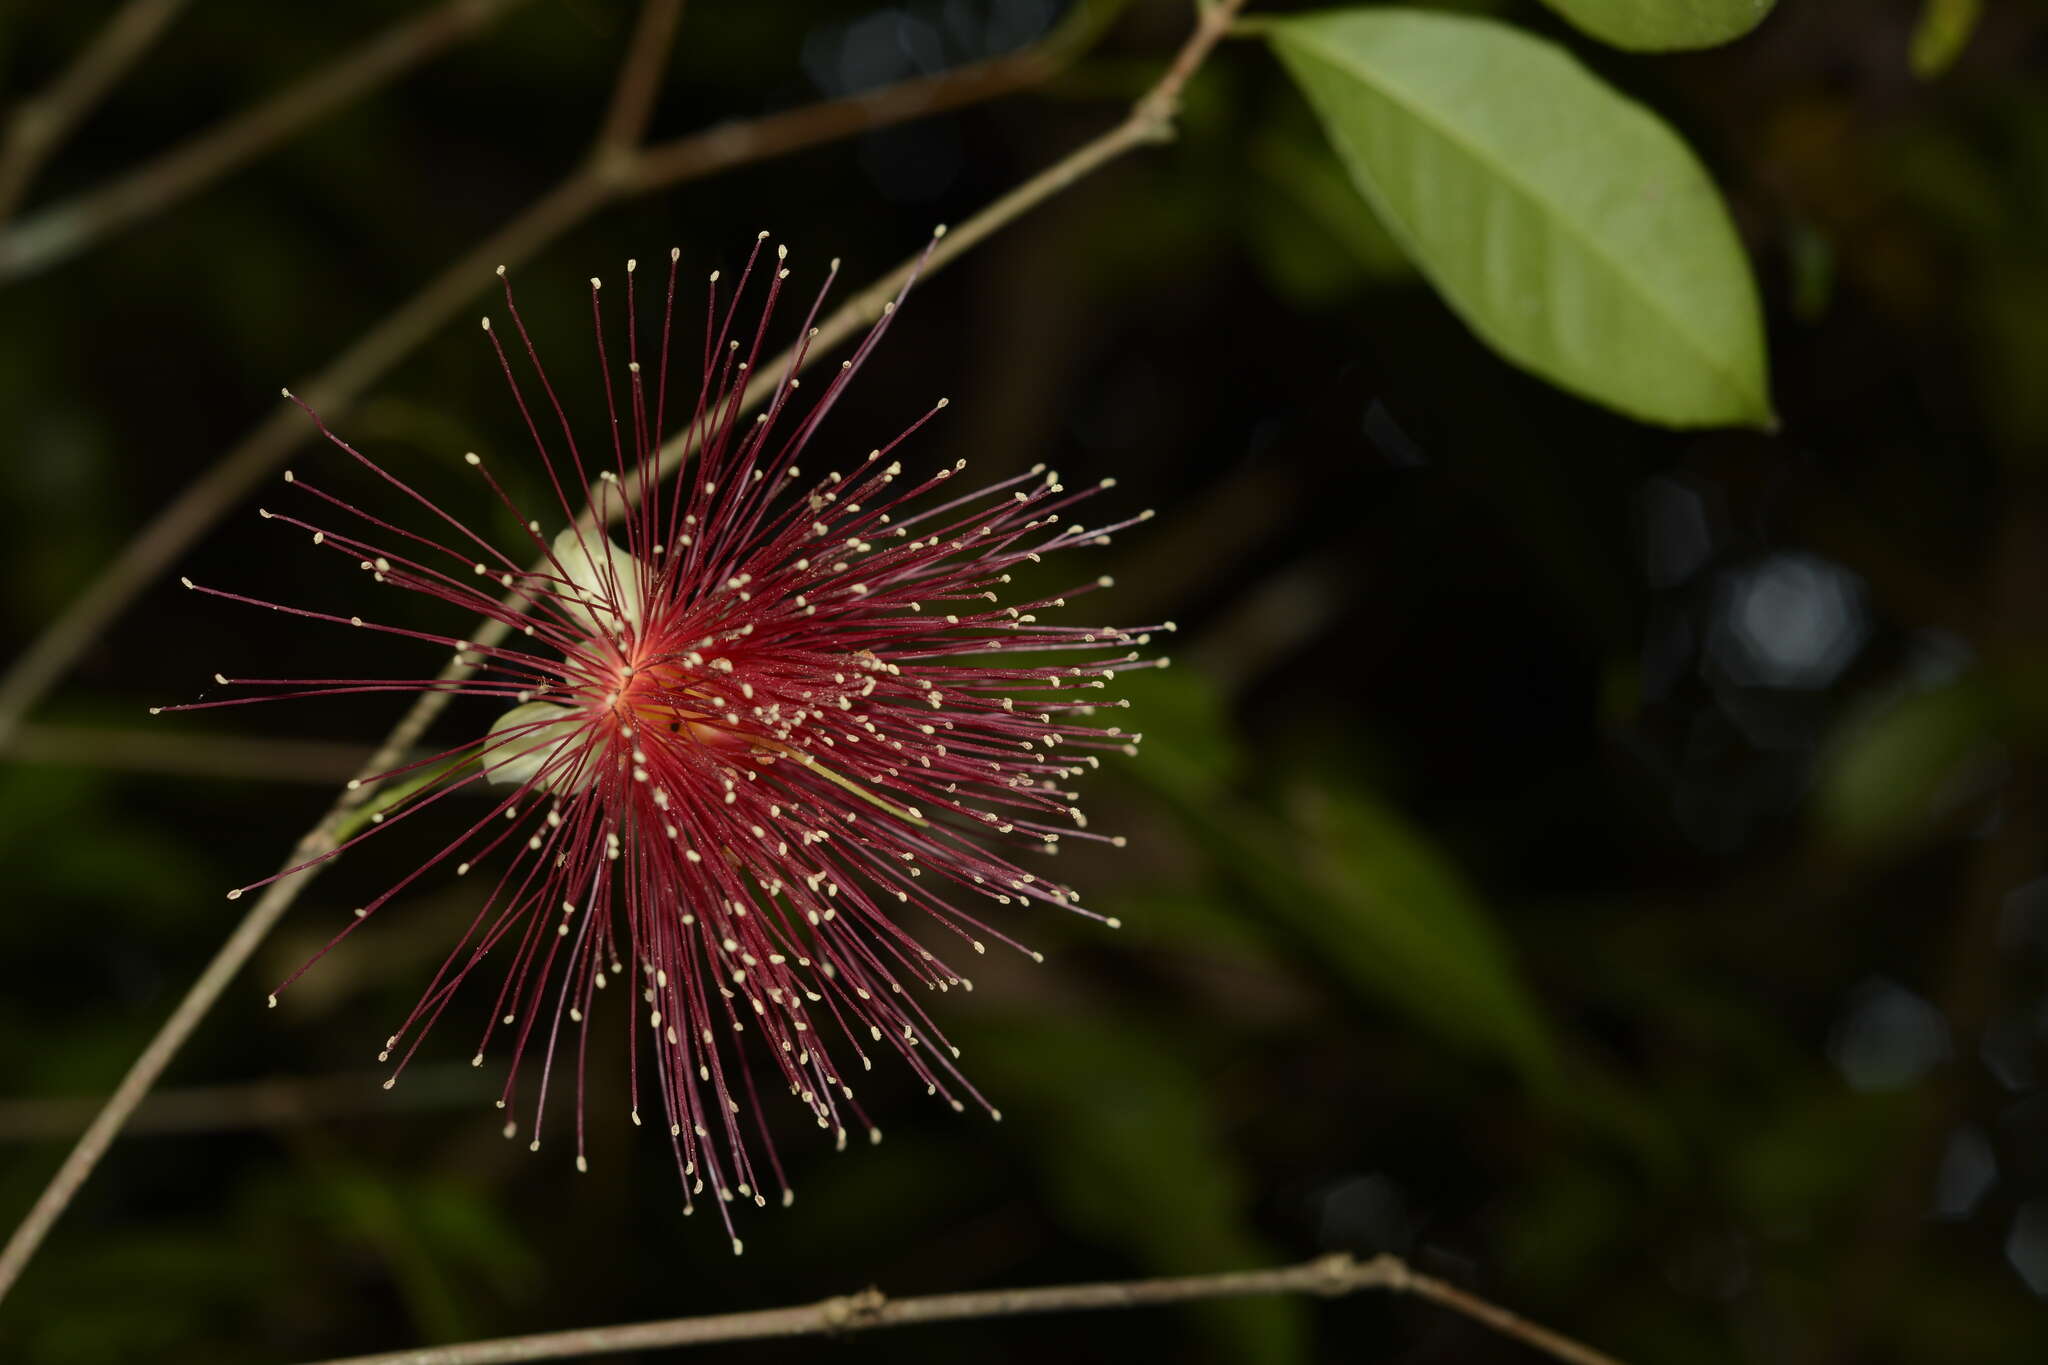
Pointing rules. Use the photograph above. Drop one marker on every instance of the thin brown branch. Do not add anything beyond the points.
(142, 1074)
(150, 553)
(318, 842)
(870, 1310)
(647, 55)
(156, 750)
(865, 308)
(277, 1102)
(1508, 1324)
(144, 558)
(51, 235)
(773, 135)
(1148, 122)
(39, 123)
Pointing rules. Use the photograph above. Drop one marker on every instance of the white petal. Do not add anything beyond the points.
(604, 581)
(542, 730)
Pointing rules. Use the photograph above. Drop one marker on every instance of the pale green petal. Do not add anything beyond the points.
(543, 728)
(601, 577)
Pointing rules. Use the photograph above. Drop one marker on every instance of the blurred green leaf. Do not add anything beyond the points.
(1363, 892)
(469, 1230)
(1316, 238)
(2013, 329)
(1947, 180)
(400, 790)
(206, 1282)
(1894, 770)
(1810, 256)
(433, 1236)
(126, 863)
(1567, 225)
(369, 1210)
(1132, 1156)
(1189, 742)
(1816, 1161)
(1957, 1313)
(1941, 34)
(1394, 916)
(1198, 919)
(1664, 25)
(1564, 1222)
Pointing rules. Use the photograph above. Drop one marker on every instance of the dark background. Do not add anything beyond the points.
(1596, 863)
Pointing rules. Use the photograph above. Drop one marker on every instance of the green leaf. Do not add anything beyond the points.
(1342, 885)
(396, 792)
(1942, 33)
(1132, 1154)
(1814, 1160)
(1396, 916)
(432, 1235)
(1565, 224)
(1664, 25)
(1895, 770)
(1314, 236)
(1346, 883)
(1190, 743)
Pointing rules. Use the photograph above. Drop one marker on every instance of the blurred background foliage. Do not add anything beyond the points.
(1600, 864)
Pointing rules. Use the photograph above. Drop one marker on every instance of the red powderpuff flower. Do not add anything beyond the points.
(749, 740)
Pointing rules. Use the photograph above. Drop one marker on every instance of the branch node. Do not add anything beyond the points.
(615, 166)
(1386, 1270)
(1339, 1273)
(847, 1312)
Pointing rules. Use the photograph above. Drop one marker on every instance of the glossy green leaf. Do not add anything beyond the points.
(1567, 225)
(1664, 25)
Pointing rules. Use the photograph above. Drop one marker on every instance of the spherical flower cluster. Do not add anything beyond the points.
(758, 724)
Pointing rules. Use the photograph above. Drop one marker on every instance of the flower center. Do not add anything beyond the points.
(666, 698)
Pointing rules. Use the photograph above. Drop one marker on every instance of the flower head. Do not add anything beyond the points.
(757, 725)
